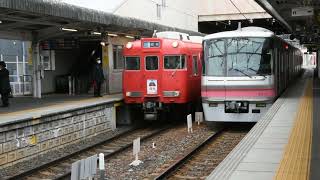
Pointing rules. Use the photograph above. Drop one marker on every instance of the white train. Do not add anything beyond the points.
(244, 71)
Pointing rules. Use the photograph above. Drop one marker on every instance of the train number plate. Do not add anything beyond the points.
(236, 106)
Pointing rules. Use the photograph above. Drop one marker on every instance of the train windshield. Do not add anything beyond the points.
(152, 63)
(132, 63)
(174, 62)
(238, 57)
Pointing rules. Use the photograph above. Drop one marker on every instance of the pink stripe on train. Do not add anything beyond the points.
(239, 93)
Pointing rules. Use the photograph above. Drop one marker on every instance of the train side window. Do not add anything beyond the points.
(195, 65)
(132, 63)
(152, 63)
(174, 62)
(118, 61)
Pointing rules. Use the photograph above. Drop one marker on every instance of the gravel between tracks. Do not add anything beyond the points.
(169, 145)
(201, 164)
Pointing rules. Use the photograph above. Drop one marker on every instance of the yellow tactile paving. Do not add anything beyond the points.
(54, 106)
(295, 164)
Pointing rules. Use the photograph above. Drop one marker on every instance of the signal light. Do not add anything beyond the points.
(286, 46)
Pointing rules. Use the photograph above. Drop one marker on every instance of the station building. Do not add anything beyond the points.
(50, 45)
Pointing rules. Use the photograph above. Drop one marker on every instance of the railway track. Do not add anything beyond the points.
(61, 169)
(199, 162)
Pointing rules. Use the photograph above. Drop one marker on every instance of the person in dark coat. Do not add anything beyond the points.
(4, 84)
(98, 77)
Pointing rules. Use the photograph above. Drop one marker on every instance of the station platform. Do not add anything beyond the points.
(284, 142)
(32, 127)
(23, 108)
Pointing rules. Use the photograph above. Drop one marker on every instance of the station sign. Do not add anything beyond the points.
(302, 11)
(59, 44)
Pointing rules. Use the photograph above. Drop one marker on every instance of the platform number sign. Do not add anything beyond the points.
(152, 86)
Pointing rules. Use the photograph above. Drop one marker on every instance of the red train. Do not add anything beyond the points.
(162, 74)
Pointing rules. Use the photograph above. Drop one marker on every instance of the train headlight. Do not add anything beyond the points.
(171, 93)
(175, 44)
(129, 45)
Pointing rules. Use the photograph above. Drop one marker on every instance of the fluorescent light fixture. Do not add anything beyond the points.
(131, 37)
(103, 43)
(96, 33)
(113, 35)
(68, 29)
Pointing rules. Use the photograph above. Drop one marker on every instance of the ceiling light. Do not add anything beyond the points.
(68, 29)
(131, 37)
(96, 33)
(103, 43)
(113, 35)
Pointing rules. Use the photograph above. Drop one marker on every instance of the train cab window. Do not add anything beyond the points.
(195, 65)
(132, 63)
(248, 56)
(214, 57)
(152, 63)
(175, 62)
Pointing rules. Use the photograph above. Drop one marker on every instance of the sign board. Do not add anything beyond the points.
(136, 146)
(199, 117)
(302, 11)
(152, 86)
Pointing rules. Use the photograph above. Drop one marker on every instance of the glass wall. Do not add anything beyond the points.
(16, 55)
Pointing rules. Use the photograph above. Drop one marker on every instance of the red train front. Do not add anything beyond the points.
(162, 74)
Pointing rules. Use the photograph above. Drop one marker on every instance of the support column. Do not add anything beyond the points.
(36, 78)
(105, 65)
(318, 62)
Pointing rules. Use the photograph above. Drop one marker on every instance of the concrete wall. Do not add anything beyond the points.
(219, 10)
(63, 63)
(21, 141)
(178, 13)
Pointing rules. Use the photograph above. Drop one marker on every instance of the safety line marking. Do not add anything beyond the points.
(295, 163)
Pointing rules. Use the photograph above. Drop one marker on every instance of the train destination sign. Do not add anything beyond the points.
(151, 44)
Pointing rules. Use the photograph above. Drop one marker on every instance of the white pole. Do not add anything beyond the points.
(101, 166)
(189, 123)
(70, 85)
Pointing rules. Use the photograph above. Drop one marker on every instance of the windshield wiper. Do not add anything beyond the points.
(236, 69)
(258, 73)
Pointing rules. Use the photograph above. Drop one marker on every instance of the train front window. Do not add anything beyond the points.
(174, 62)
(248, 56)
(214, 57)
(152, 63)
(132, 63)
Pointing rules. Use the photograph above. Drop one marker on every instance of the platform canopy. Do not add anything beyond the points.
(300, 17)
(45, 19)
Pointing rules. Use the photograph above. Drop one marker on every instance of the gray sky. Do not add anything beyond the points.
(102, 5)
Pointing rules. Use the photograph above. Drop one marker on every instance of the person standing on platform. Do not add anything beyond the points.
(4, 84)
(98, 77)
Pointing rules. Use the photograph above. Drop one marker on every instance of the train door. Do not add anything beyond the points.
(276, 70)
(195, 75)
(151, 76)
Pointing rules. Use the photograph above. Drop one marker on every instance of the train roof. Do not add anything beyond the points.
(242, 32)
(179, 36)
